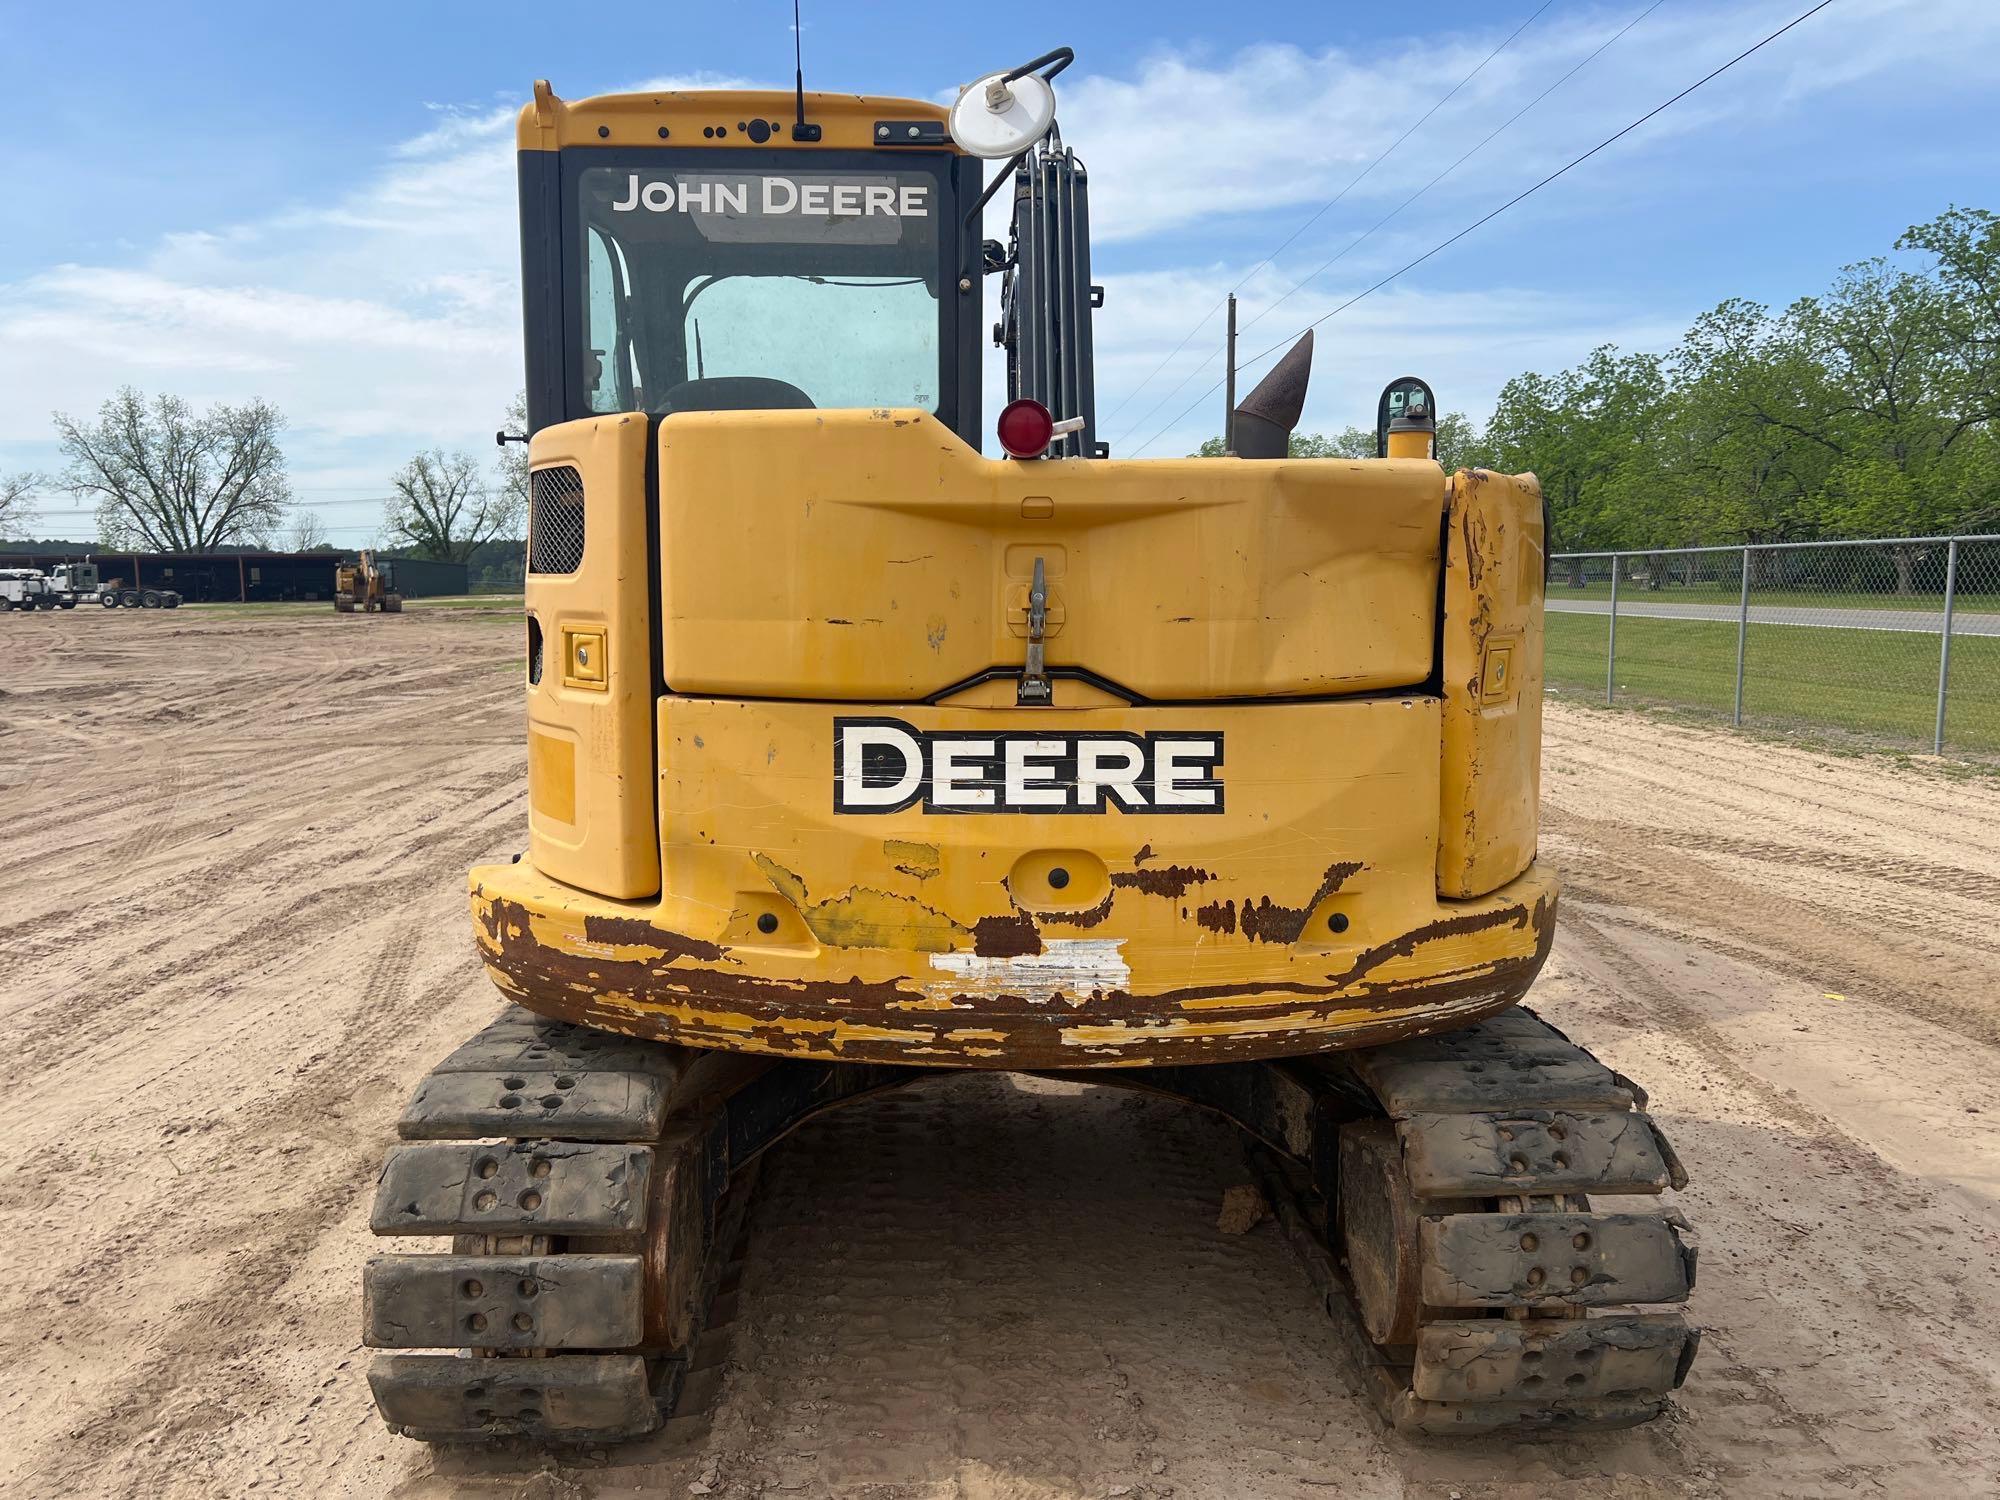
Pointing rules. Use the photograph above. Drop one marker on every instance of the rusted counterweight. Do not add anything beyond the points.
(632, 976)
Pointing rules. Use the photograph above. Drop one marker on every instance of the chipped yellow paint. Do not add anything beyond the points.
(912, 858)
(839, 1033)
(676, 986)
(1491, 729)
(863, 918)
(1330, 1020)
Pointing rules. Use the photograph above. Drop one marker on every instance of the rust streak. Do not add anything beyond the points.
(1006, 937)
(1267, 922)
(1370, 959)
(1169, 880)
(635, 932)
(1088, 918)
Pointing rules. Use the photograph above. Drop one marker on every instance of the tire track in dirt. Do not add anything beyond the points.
(1894, 895)
(257, 1058)
(1768, 1218)
(1735, 771)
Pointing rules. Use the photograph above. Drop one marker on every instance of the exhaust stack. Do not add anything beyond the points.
(1265, 418)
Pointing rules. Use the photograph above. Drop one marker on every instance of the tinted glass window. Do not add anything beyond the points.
(824, 282)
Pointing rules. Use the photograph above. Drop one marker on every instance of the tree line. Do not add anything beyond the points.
(1868, 410)
(164, 477)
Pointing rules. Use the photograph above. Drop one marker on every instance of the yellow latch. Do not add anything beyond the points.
(583, 659)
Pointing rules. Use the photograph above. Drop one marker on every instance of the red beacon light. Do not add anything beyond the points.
(1027, 428)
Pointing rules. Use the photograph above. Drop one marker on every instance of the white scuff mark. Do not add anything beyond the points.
(1074, 967)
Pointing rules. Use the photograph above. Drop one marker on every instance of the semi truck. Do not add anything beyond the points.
(80, 583)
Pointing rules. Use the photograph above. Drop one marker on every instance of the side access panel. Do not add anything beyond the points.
(590, 722)
(1492, 719)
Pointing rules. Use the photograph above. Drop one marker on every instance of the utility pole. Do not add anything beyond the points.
(1229, 383)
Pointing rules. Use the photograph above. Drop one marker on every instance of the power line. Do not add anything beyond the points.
(1487, 218)
(1351, 186)
(1369, 232)
(1488, 140)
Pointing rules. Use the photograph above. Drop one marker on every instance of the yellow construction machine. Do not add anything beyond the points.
(855, 755)
(366, 586)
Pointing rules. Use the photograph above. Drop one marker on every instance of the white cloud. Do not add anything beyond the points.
(381, 321)
(1178, 141)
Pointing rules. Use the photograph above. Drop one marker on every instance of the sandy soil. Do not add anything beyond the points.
(232, 936)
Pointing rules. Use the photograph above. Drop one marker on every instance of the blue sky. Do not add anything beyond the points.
(315, 204)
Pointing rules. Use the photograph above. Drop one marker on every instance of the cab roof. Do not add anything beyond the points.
(726, 118)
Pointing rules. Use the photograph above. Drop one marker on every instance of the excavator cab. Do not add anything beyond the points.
(710, 263)
(854, 754)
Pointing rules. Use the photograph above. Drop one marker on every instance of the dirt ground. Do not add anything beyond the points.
(232, 935)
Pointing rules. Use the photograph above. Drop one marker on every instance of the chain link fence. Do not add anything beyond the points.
(1890, 643)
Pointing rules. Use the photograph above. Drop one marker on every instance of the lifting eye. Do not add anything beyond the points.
(534, 651)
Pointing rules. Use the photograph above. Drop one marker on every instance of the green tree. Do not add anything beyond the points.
(1591, 435)
(169, 479)
(1744, 449)
(1902, 398)
(444, 509)
(1459, 444)
(17, 504)
(1966, 245)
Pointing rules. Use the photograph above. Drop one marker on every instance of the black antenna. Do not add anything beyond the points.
(800, 131)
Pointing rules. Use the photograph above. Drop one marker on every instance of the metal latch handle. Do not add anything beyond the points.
(1034, 675)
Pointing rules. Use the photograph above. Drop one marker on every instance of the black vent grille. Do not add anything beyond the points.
(555, 521)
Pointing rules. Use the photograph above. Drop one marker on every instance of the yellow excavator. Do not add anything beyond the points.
(366, 586)
(855, 755)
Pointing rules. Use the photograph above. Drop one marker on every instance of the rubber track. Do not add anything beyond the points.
(613, 1109)
(1535, 1333)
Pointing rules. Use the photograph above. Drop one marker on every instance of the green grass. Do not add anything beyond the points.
(1729, 592)
(1880, 685)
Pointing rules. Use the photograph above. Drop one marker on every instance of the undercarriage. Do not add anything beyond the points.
(1437, 1188)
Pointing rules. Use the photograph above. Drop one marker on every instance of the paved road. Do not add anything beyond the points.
(1921, 621)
